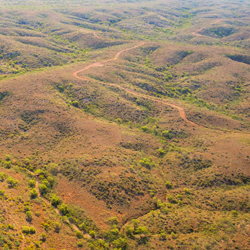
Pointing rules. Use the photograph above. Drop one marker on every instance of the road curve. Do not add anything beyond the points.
(196, 33)
(99, 64)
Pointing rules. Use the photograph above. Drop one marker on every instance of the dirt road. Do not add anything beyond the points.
(99, 64)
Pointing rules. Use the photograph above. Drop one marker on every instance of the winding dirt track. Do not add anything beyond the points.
(196, 33)
(96, 35)
(99, 64)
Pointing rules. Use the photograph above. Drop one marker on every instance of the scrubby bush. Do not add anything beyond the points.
(32, 183)
(79, 244)
(2, 176)
(187, 191)
(43, 189)
(141, 230)
(32, 230)
(92, 233)
(12, 182)
(161, 151)
(75, 104)
(46, 226)
(79, 235)
(146, 162)
(145, 129)
(171, 199)
(26, 208)
(38, 213)
(51, 181)
(55, 200)
(168, 184)
(113, 221)
(25, 230)
(33, 193)
(63, 209)
(83, 227)
(234, 213)
(57, 227)
(120, 243)
(29, 215)
(2, 193)
(162, 236)
(46, 183)
(43, 237)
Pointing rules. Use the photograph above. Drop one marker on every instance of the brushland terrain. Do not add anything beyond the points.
(124, 125)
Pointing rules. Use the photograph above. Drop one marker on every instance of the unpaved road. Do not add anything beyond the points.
(196, 33)
(99, 64)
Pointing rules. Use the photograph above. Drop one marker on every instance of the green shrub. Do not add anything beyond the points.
(75, 104)
(79, 235)
(43, 189)
(179, 196)
(234, 213)
(2, 176)
(171, 199)
(10, 226)
(12, 182)
(7, 157)
(162, 236)
(141, 230)
(46, 183)
(51, 181)
(55, 200)
(83, 227)
(60, 88)
(43, 237)
(29, 215)
(25, 230)
(57, 227)
(145, 129)
(113, 221)
(32, 183)
(120, 243)
(38, 213)
(37, 244)
(33, 193)
(159, 204)
(118, 120)
(146, 162)
(46, 226)
(26, 208)
(79, 244)
(161, 151)
(166, 134)
(63, 209)
(7, 164)
(92, 233)
(168, 184)
(173, 235)
(187, 191)
(32, 230)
